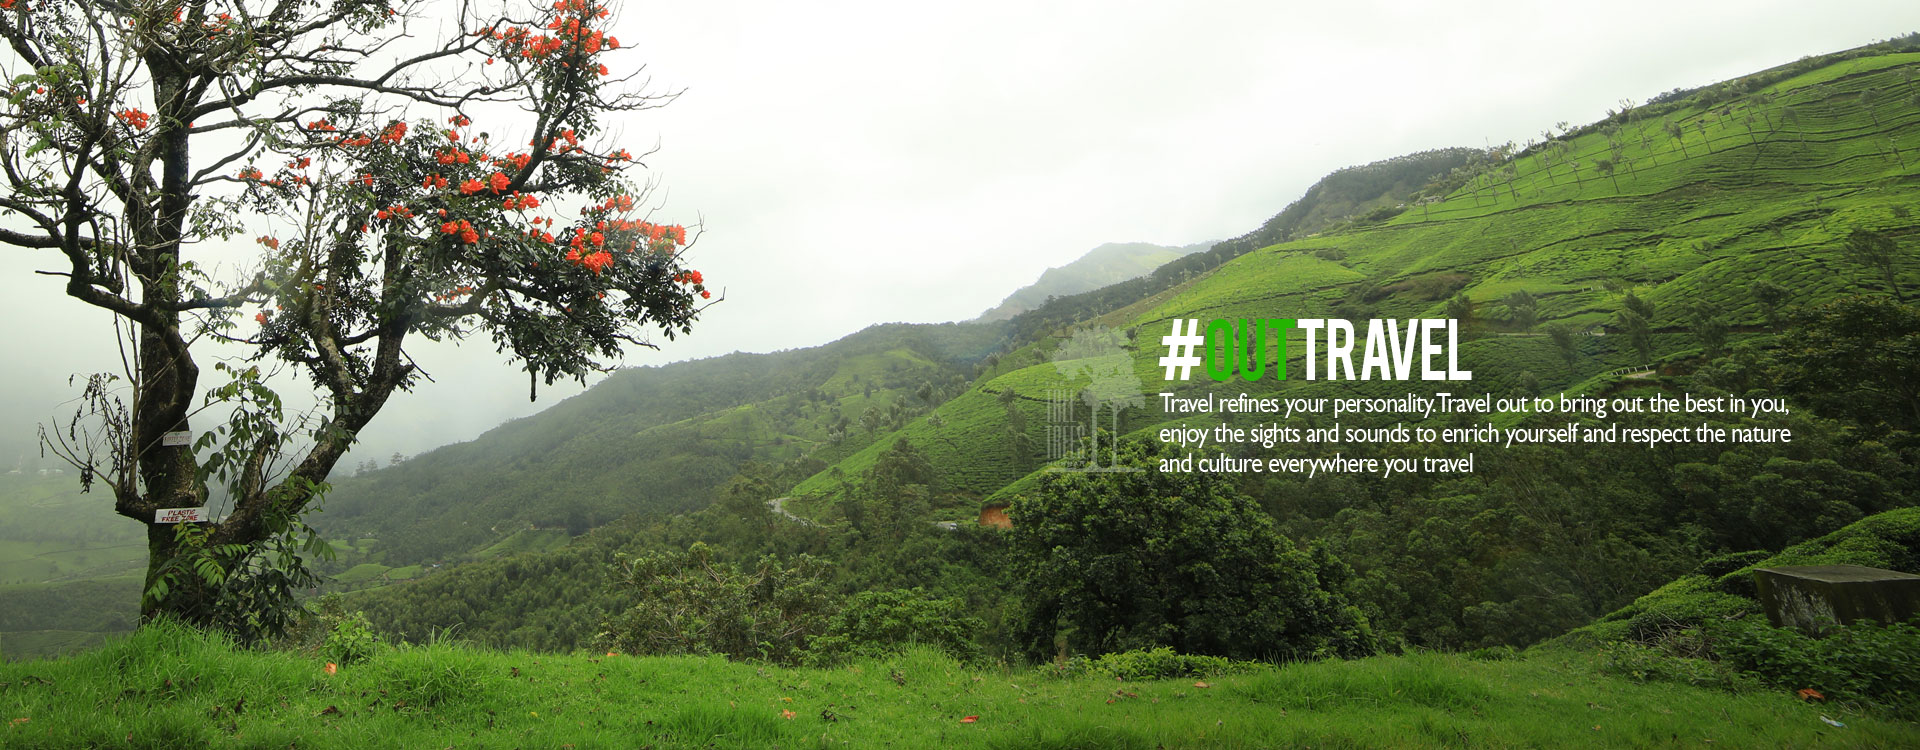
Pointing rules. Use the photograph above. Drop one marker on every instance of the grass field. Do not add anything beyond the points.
(168, 687)
(51, 531)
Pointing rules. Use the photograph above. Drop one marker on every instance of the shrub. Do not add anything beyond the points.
(875, 623)
(689, 603)
(1863, 661)
(350, 639)
(1118, 560)
(1164, 663)
(1642, 663)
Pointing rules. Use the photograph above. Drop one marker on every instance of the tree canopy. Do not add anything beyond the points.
(404, 170)
(1131, 557)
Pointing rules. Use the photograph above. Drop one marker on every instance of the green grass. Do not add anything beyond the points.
(167, 687)
(362, 572)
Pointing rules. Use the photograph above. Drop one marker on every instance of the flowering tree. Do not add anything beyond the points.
(139, 134)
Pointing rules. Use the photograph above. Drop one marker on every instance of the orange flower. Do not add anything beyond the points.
(787, 714)
(332, 668)
(969, 719)
(134, 118)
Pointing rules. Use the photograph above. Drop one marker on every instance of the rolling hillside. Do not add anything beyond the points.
(649, 440)
(1683, 203)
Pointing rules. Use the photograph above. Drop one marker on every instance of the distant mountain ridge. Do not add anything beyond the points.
(1107, 264)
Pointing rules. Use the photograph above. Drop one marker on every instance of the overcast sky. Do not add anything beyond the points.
(864, 162)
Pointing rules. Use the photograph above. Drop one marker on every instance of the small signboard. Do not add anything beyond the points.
(180, 515)
(170, 439)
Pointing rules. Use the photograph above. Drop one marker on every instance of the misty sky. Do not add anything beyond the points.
(863, 162)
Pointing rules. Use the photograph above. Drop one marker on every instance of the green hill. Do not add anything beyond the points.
(1688, 219)
(651, 440)
(1767, 177)
(69, 566)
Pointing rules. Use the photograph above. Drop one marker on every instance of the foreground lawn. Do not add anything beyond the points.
(168, 687)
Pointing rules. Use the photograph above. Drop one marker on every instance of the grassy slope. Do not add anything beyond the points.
(51, 531)
(164, 687)
(659, 439)
(69, 566)
(1682, 223)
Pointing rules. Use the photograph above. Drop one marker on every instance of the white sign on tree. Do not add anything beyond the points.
(180, 515)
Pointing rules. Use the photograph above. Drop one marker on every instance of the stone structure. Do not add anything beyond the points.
(1811, 597)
